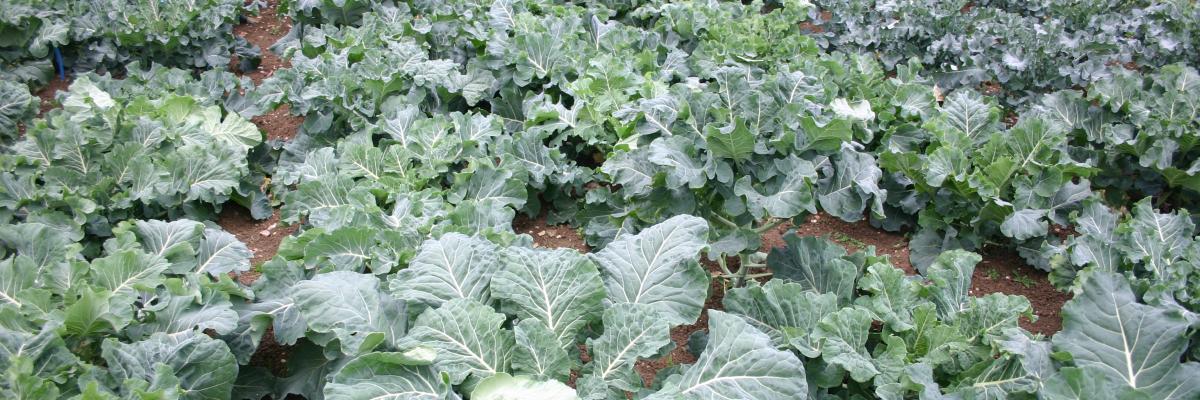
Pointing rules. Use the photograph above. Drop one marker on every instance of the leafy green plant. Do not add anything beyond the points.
(663, 131)
(98, 34)
(19, 107)
(156, 144)
(145, 317)
(1023, 46)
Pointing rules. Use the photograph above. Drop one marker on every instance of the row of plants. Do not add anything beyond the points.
(664, 131)
(156, 315)
(723, 129)
(102, 34)
(158, 144)
(1025, 47)
(741, 139)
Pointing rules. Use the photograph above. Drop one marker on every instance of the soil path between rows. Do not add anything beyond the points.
(263, 236)
(263, 31)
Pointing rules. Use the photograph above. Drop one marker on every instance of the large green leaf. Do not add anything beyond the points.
(221, 253)
(1097, 243)
(561, 288)
(951, 277)
(503, 386)
(352, 307)
(540, 353)
(1133, 345)
(1084, 384)
(678, 154)
(204, 367)
(453, 267)
(1022, 367)
(890, 294)
(1157, 240)
(175, 241)
(231, 129)
(843, 338)
(787, 312)
(179, 314)
(388, 376)
(16, 105)
(658, 267)
(733, 141)
(16, 275)
(631, 332)
(739, 362)
(854, 183)
(488, 184)
(966, 111)
(817, 264)
(467, 336)
(788, 195)
(123, 275)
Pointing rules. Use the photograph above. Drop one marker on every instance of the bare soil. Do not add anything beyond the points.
(263, 31)
(271, 355)
(262, 237)
(47, 94)
(279, 123)
(1003, 271)
(550, 236)
(854, 236)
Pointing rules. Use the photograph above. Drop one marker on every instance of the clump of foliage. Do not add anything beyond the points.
(157, 144)
(97, 34)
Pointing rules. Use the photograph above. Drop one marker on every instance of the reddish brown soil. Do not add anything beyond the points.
(263, 31)
(550, 236)
(270, 354)
(279, 123)
(1003, 271)
(1008, 266)
(854, 236)
(1046, 301)
(47, 94)
(991, 88)
(262, 237)
(1011, 119)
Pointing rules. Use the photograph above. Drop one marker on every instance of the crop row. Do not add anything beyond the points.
(668, 132)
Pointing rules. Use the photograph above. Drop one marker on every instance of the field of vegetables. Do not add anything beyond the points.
(604, 199)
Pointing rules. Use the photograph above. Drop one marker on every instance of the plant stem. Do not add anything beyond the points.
(725, 221)
(742, 272)
(724, 268)
(770, 225)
